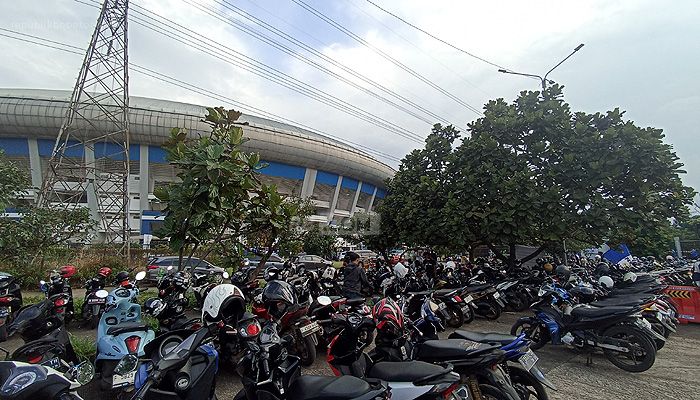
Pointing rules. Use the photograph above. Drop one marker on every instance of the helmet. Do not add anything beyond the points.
(548, 267)
(224, 302)
(606, 281)
(328, 273)
(669, 258)
(122, 277)
(154, 306)
(597, 257)
(388, 318)
(181, 279)
(601, 269)
(630, 277)
(563, 272)
(400, 270)
(271, 273)
(104, 272)
(67, 271)
(278, 296)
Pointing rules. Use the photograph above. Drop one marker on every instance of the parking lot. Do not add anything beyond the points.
(673, 376)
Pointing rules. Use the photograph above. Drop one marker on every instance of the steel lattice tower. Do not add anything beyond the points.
(90, 159)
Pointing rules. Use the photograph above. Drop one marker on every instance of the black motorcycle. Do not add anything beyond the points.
(268, 372)
(93, 305)
(59, 283)
(10, 301)
(169, 307)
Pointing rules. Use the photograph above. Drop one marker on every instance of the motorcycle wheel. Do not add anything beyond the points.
(533, 331)
(642, 354)
(526, 385)
(307, 351)
(489, 392)
(469, 315)
(517, 302)
(489, 310)
(456, 319)
(94, 321)
(3, 333)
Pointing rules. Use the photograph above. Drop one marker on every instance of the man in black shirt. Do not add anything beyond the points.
(354, 277)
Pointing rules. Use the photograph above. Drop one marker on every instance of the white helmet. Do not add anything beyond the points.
(606, 281)
(630, 277)
(328, 273)
(223, 302)
(669, 258)
(597, 257)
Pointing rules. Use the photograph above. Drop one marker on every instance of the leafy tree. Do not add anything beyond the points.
(689, 228)
(319, 241)
(533, 172)
(13, 180)
(212, 200)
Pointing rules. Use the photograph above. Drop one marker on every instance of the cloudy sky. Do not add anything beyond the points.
(642, 56)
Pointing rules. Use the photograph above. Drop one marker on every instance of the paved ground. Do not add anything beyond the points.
(673, 376)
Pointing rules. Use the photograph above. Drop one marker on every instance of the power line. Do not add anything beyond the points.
(193, 88)
(384, 55)
(435, 37)
(224, 53)
(219, 14)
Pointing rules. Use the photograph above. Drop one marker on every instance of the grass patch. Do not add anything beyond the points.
(85, 348)
(150, 321)
(27, 300)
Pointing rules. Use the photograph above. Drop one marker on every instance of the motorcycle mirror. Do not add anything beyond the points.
(43, 286)
(246, 262)
(127, 364)
(225, 275)
(83, 372)
(170, 268)
(140, 276)
(101, 293)
(324, 300)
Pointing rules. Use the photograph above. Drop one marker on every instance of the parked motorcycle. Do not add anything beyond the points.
(94, 306)
(10, 301)
(169, 307)
(59, 283)
(22, 381)
(120, 331)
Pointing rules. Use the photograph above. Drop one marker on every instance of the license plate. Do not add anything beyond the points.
(96, 301)
(469, 299)
(528, 360)
(442, 306)
(54, 363)
(123, 380)
(308, 329)
(466, 310)
(496, 295)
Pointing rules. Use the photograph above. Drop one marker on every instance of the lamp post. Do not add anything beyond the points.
(543, 79)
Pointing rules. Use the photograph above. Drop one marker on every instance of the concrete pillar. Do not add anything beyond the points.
(334, 202)
(357, 197)
(35, 163)
(307, 188)
(371, 201)
(144, 176)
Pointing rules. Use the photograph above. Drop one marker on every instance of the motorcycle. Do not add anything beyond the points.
(627, 339)
(22, 381)
(202, 283)
(169, 307)
(93, 306)
(59, 283)
(10, 301)
(120, 331)
(179, 366)
(406, 379)
(268, 372)
(324, 308)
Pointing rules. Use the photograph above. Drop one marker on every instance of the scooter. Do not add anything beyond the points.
(59, 283)
(120, 331)
(22, 381)
(93, 306)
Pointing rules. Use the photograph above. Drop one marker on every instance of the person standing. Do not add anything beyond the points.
(354, 277)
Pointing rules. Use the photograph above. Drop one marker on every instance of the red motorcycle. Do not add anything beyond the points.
(278, 303)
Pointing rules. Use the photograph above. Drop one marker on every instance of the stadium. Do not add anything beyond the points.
(340, 180)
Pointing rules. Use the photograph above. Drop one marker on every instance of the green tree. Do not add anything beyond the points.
(13, 180)
(321, 242)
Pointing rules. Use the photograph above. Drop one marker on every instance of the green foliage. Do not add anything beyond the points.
(688, 228)
(533, 172)
(85, 348)
(320, 242)
(33, 299)
(13, 180)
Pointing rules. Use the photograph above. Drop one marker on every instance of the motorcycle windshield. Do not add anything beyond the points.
(25, 316)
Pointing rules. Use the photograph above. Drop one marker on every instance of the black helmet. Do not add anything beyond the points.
(563, 272)
(277, 297)
(182, 279)
(154, 306)
(602, 269)
(271, 273)
(122, 276)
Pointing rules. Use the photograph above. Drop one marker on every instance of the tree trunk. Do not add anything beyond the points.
(263, 259)
(512, 256)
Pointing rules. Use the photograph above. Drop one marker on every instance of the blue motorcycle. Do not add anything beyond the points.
(120, 332)
(526, 377)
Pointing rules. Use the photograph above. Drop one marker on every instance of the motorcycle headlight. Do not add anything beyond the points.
(20, 382)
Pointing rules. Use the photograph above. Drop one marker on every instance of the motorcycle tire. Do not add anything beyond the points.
(307, 351)
(660, 329)
(534, 331)
(488, 310)
(518, 302)
(94, 321)
(456, 319)
(643, 346)
(526, 385)
(489, 392)
(469, 315)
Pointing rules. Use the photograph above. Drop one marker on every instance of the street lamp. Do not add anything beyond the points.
(543, 79)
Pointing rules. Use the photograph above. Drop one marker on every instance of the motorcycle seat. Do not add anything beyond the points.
(621, 301)
(477, 288)
(447, 349)
(405, 371)
(355, 302)
(489, 337)
(594, 312)
(309, 387)
(444, 292)
(126, 327)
